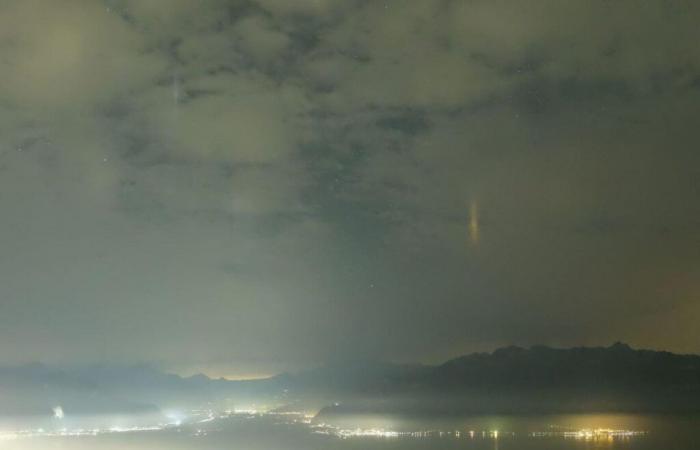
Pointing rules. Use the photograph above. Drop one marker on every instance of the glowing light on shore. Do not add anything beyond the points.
(196, 423)
(590, 434)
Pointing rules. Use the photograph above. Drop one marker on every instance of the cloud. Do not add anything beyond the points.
(294, 179)
(69, 57)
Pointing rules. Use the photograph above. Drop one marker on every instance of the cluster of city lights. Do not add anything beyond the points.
(344, 433)
(588, 434)
(76, 432)
(597, 433)
(197, 417)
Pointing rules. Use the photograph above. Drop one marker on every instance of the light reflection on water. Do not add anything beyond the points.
(252, 431)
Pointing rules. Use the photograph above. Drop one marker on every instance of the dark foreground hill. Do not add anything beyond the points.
(541, 379)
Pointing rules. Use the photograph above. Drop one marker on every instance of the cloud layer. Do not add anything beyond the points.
(250, 186)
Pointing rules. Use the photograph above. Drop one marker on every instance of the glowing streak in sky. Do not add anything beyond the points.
(474, 222)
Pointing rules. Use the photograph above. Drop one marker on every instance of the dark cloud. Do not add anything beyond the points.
(258, 185)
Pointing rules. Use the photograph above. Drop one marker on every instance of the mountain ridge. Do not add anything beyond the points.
(512, 378)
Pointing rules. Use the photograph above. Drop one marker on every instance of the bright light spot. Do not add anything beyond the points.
(58, 413)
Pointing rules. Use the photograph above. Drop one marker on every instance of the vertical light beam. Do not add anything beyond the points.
(474, 222)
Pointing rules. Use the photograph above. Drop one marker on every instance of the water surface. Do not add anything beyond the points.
(381, 432)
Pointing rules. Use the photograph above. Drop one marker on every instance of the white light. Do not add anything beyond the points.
(58, 413)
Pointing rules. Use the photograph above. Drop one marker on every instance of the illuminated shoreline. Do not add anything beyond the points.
(196, 422)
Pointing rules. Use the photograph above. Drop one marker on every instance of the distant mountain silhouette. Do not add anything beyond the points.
(34, 389)
(511, 379)
(541, 379)
(617, 366)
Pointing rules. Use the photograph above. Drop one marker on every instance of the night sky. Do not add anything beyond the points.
(246, 187)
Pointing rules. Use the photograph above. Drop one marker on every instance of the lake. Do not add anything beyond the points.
(296, 432)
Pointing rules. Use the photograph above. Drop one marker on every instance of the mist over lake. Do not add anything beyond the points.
(349, 224)
(248, 431)
(511, 398)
